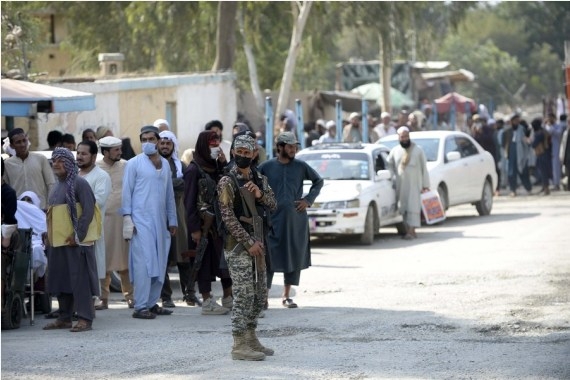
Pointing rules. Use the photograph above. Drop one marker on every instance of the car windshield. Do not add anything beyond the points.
(338, 165)
(429, 146)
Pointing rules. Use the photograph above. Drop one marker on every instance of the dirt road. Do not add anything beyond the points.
(474, 298)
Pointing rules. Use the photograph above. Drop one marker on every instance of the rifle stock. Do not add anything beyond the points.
(208, 219)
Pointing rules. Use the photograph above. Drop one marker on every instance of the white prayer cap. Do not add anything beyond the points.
(354, 115)
(402, 129)
(158, 122)
(330, 124)
(110, 142)
(385, 114)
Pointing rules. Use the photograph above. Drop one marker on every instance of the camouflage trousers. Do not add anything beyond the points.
(249, 295)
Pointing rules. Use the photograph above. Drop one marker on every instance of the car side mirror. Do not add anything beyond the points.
(453, 156)
(383, 175)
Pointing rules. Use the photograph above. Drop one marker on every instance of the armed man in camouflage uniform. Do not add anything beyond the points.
(244, 253)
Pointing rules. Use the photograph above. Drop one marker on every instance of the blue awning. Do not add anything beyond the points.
(22, 99)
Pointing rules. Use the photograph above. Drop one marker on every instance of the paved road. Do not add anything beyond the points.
(474, 298)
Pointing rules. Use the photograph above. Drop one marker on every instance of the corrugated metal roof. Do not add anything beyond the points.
(21, 99)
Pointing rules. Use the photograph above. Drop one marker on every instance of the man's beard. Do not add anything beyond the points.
(284, 154)
(167, 156)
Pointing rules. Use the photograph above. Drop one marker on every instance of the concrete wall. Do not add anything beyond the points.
(125, 105)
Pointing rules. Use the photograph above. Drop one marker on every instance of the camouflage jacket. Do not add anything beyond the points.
(228, 203)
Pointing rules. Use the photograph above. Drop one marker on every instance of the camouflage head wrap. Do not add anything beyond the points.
(244, 141)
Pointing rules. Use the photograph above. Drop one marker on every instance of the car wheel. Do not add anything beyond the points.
(367, 238)
(442, 191)
(485, 205)
(115, 285)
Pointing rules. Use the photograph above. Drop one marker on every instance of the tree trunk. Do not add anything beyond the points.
(251, 65)
(385, 72)
(289, 69)
(225, 36)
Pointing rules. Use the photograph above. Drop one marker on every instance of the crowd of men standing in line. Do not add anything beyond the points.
(539, 149)
(157, 212)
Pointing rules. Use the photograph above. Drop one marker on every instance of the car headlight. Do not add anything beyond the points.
(354, 203)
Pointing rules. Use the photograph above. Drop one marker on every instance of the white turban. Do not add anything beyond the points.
(167, 135)
(403, 129)
(158, 122)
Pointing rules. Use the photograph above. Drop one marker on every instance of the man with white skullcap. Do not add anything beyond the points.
(162, 125)
(386, 127)
(407, 162)
(116, 248)
(168, 149)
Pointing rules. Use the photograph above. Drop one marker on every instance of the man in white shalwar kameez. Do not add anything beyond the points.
(116, 248)
(100, 183)
(149, 220)
(407, 162)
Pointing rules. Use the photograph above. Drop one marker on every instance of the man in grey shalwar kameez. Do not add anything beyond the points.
(288, 239)
(149, 220)
(72, 269)
(407, 162)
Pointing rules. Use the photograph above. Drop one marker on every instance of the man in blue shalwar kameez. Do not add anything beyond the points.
(149, 220)
(288, 239)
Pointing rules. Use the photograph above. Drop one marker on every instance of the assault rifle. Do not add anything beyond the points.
(208, 219)
(257, 222)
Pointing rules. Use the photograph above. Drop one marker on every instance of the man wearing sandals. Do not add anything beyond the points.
(149, 221)
(407, 162)
(288, 240)
(72, 269)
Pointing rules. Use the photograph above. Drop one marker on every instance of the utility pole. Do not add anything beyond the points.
(567, 73)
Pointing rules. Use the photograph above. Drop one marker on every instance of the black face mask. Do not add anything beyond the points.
(405, 144)
(242, 162)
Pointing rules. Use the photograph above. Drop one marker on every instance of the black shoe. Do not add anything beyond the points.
(157, 310)
(143, 314)
(168, 303)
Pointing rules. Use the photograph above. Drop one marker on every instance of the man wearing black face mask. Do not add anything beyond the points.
(407, 163)
(244, 250)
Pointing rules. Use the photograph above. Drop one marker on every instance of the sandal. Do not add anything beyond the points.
(57, 325)
(81, 325)
(288, 303)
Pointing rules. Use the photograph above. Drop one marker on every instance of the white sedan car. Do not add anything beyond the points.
(459, 168)
(358, 195)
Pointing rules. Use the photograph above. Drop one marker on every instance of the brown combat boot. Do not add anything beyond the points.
(241, 350)
(253, 342)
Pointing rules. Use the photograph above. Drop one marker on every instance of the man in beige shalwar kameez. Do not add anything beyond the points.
(116, 248)
(407, 162)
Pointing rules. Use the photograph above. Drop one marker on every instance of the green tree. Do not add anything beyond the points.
(21, 36)
(498, 74)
